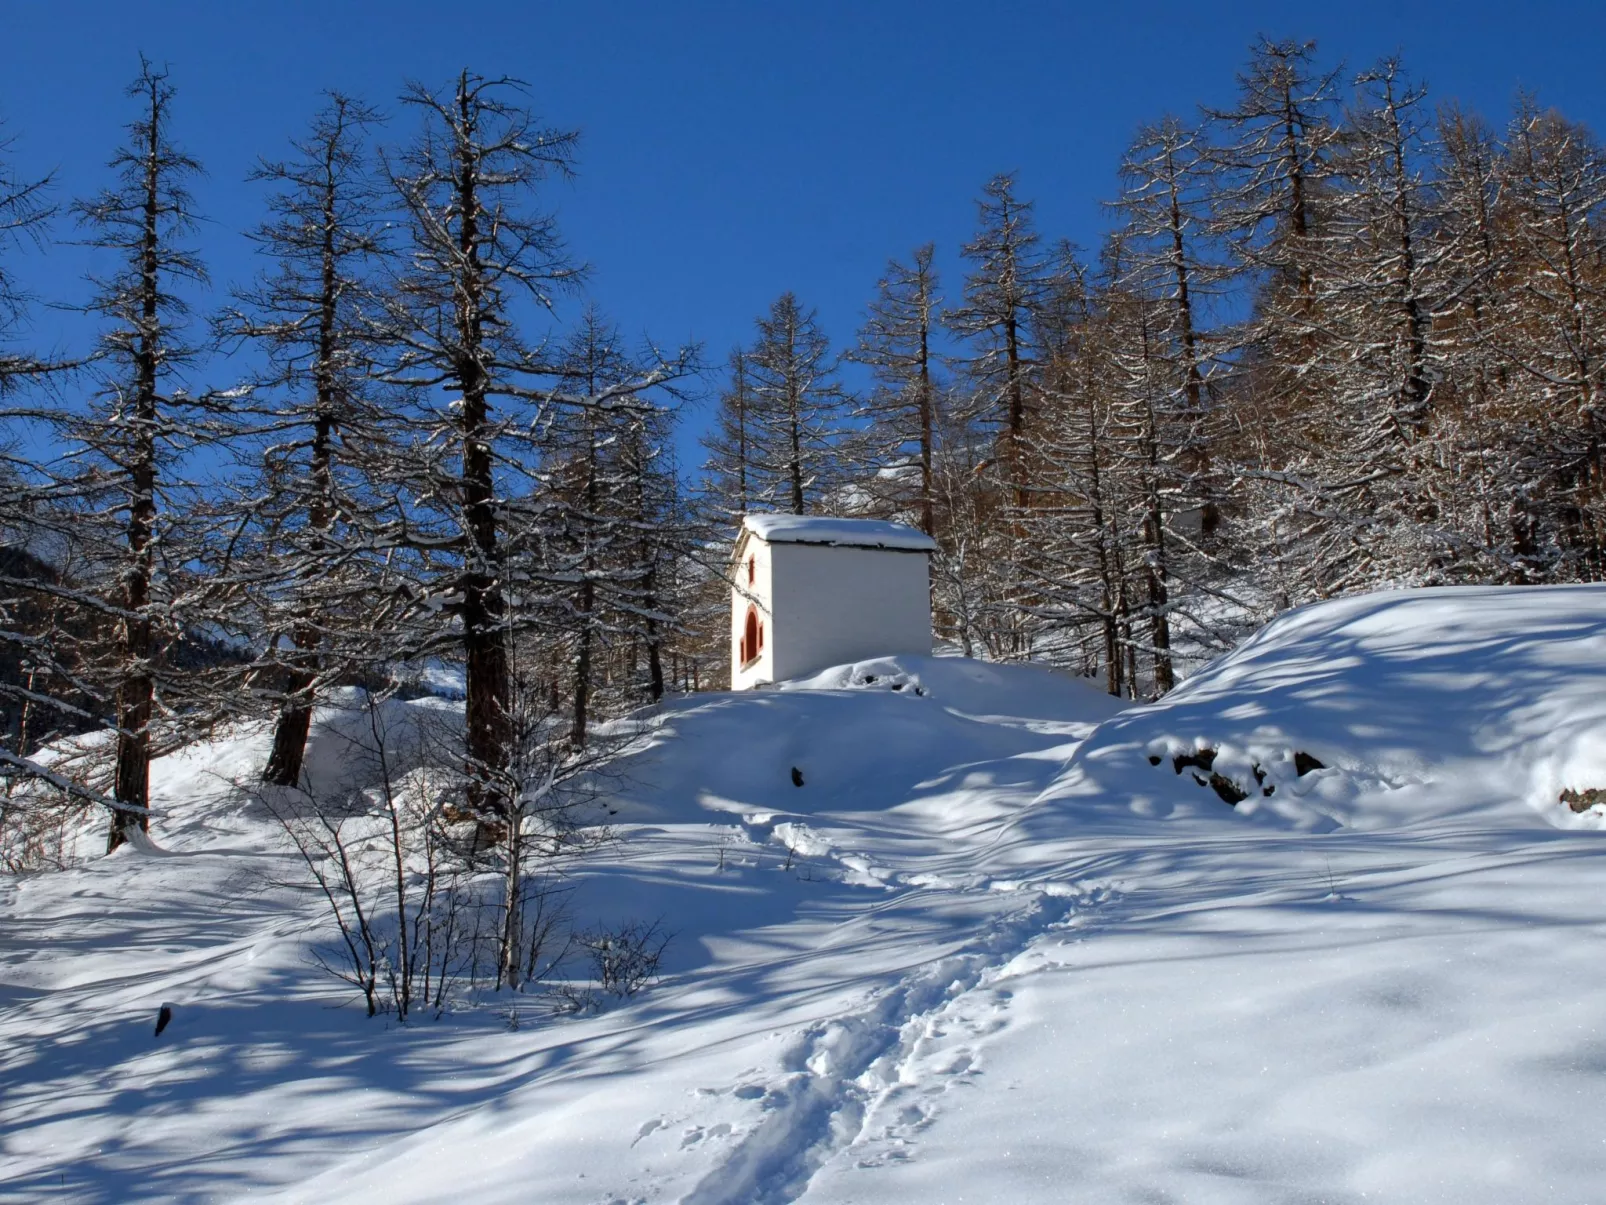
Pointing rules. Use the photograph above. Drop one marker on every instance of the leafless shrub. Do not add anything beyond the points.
(622, 960)
(36, 828)
(625, 957)
(377, 850)
(428, 894)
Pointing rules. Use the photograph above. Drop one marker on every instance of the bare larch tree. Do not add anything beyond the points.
(141, 425)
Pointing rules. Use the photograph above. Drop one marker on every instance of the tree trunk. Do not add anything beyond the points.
(582, 668)
(295, 715)
(290, 734)
(1017, 410)
(484, 608)
(136, 691)
(928, 521)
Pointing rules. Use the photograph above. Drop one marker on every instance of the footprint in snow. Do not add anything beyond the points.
(697, 1134)
(650, 1127)
(910, 1115)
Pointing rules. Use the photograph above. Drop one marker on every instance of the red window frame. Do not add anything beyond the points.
(752, 641)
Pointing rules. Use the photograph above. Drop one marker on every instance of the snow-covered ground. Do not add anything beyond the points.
(996, 948)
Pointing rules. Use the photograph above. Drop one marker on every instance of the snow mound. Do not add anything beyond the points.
(891, 732)
(974, 687)
(1376, 711)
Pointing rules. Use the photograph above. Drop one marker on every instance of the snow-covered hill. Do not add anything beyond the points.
(1005, 943)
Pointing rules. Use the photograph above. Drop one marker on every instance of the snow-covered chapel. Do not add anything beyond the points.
(810, 591)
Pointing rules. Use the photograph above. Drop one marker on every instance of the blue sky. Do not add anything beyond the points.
(731, 151)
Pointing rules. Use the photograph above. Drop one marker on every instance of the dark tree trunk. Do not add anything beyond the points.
(1159, 598)
(1017, 410)
(136, 691)
(289, 740)
(295, 714)
(928, 520)
(795, 468)
(484, 617)
(582, 668)
(1197, 460)
(483, 608)
(655, 662)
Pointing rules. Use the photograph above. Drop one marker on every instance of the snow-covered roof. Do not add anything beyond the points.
(844, 533)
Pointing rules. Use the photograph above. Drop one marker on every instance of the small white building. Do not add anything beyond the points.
(809, 592)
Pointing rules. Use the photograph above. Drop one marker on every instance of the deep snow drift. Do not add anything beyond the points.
(997, 947)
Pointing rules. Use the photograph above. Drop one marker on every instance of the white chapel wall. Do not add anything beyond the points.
(836, 604)
(761, 591)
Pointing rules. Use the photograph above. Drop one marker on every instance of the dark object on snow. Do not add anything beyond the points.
(1154, 759)
(1229, 791)
(1304, 763)
(797, 777)
(1582, 801)
(1203, 760)
(163, 1017)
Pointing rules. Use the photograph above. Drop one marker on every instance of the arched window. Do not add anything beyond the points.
(752, 638)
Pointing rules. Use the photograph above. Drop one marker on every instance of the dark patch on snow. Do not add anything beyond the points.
(1225, 788)
(1201, 759)
(1230, 792)
(1582, 801)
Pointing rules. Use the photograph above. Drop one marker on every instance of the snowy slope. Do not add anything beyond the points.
(987, 952)
(1468, 702)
